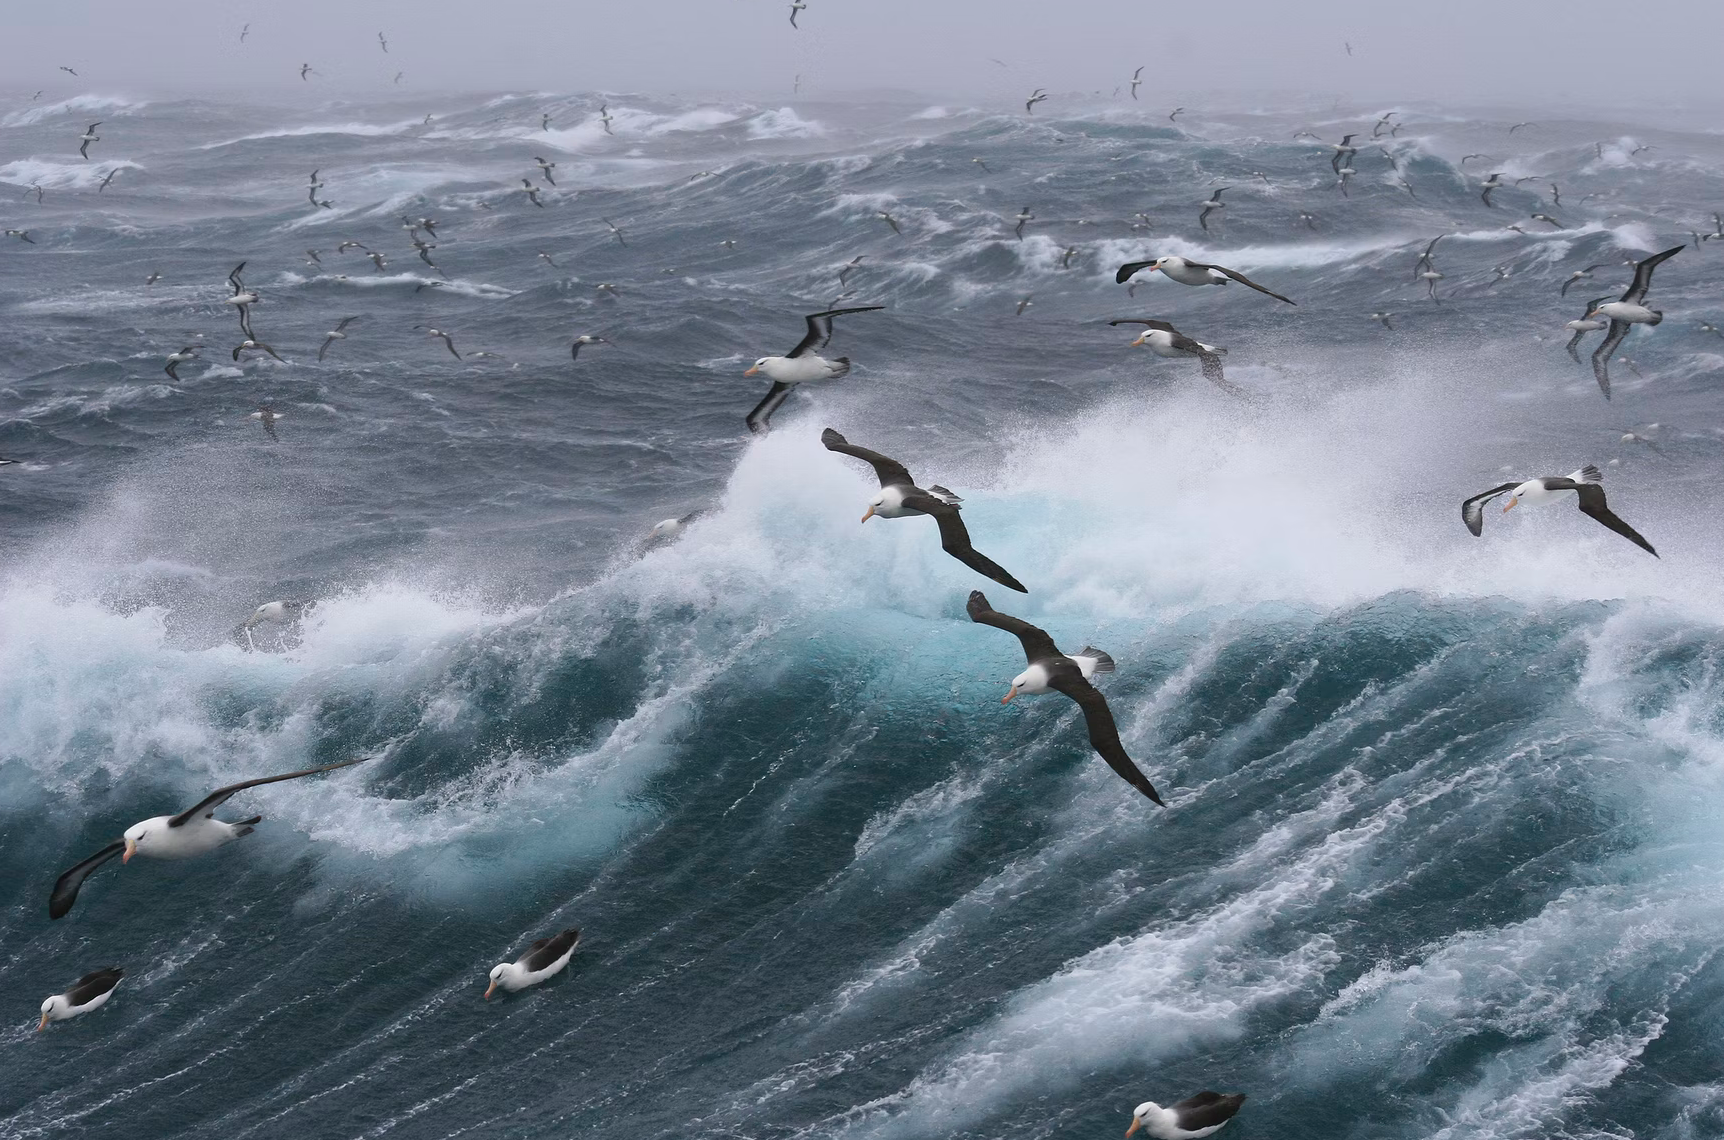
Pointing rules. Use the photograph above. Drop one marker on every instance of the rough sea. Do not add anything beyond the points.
(1443, 856)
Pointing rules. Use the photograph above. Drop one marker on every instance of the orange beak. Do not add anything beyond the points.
(490, 991)
(131, 849)
(751, 372)
(1136, 343)
(1510, 503)
(1134, 1126)
(1007, 699)
(43, 1024)
(869, 515)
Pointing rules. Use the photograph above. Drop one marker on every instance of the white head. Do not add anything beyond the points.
(497, 973)
(1532, 488)
(875, 504)
(1160, 263)
(760, 365)
(1020, 682)
(138, 836)
(53, 1010)
(665, 529)
(1142, 340)
(1141, 1114)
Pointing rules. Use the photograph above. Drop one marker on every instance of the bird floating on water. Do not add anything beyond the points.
(88, 994)
(1196, 1116)
(543, 959)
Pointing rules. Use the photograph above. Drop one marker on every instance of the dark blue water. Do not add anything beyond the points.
(1443, 853)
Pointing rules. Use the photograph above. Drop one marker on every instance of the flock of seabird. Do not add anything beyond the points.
(196, 831)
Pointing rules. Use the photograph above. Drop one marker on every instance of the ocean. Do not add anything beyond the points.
(1442, 855)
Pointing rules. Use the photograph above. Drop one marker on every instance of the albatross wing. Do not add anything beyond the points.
(1103, 733)
(889, 470)
(955, 540)
(1592, 504)
(66, 887)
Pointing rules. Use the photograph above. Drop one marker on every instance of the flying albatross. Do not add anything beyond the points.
(1052, 670)
(543, 958)
(1585, 483)
(1584, 324)
(1193, 273)
(800, 365)
(89, 993)
(1200, 1115)
(192, 832)
(1163, 339)
(899, 497)
(1628, 310)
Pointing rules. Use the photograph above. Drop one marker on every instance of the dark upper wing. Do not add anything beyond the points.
(1125, 271)
(1103, 733)
(65, 891)
(1207, 1110)
(888, 469)
(1643, 275)
(955, 540)
(325, 347)
(1573, 342)
(1162, 325)
(94, 984)
(820, 328)
(233, 279)
(1602, 354)
(548, 950)
(760, 419)
(1037, 644)
(1592, 503)
(1212, 372)
(1473, 510)
(221, 795)
(1243, 280)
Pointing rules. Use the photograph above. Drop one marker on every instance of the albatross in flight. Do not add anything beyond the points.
(1193, 273)
(89, 136)
(1585, 324)
(800, 365)
(1163, 339)
(334, 335)
(191, 832)
(1625, 312)
(1585, 483)
(899, 497)
(1050, 671)
(1214, 203)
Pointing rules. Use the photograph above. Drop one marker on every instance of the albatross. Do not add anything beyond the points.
(1585, 324)
(89, 136)
(899, 497)
(1050, 670)
(334, 335)
(88, 994)
(1200, 1115)
(543, 958)
(800, 365)
(1628, 310)
(1193, 273)
(1209, 207)
(1585, 483)
(1163, 339)
(192, 832)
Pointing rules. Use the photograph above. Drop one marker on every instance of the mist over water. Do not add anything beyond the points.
(1441, 853)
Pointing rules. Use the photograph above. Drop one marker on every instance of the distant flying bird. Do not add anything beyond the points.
(1192, 273)
(68, 70)
(889, 220)
(546, 258)
(21, 235)
(1466, 158)
(304, 70)
(1023, 219)
(575, 349)
(532, 192)
(982, 164)
(605, 119)
(443, 336)
(1027, 301)
(545, 121)
(266, 416)
(175, 359)
(615, 232)
(801, 364)
(1166, 341)
(383, 42)
(334, 335)
(1518, 126)
(845, 270)
(1175, 114)
(244, 32)
(1036, 96)
(1343, 150)
(545, 168)
(1547, 220)
(1385, 319)
(1213, 204)
(1348, 46)
(1136, 81)
(250, 345)
(796, 7)
(1382, 123)
(1490, 185)
(1625, 313)
(89, 136)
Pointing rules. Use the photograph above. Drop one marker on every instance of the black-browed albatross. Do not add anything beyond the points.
(800, 365)
(1193, 273)
(1200, 1115)
(191, 832)
(1585, 483)
(1629, 310)
(89, 993)
(899, 497)
(543, 958)
(1164, 340)
(1050, 670)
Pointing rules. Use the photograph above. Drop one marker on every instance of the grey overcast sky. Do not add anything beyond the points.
(1538, 52)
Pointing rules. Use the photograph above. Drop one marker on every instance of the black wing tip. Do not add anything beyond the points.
(1123, 274)
(1012, 583)
(830, 437)
(977, 604)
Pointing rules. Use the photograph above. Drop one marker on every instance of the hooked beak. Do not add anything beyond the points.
(491, 990)
(131, 849)
(869, 515)
(43, 1024)
(1007, 699)
(1509, 504)
(751, 372)
(1135, 1122)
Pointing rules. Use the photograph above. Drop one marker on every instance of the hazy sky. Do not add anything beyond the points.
(1541, 52)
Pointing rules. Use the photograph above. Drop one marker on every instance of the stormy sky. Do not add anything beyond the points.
(1539, 52)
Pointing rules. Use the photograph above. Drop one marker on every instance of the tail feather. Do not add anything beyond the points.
(244, 826)
(1588, 474)
(1103, 663)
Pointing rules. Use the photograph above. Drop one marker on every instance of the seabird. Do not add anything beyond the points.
(982, 164)
(89, 136)
(1629, 435)
(1213, 204)
(1518, 126)
(250, 345)
(1638, 149)
(800, 365)
(334, 335)
(1555, 195)
(548, 260)
(889, 220)
(1585, 483)
(175, 359)
(1051, 670)
(1465, 158)
(107, 180)
(242, 299)
(244, 32)
(21, 235)
(575, 349)
(443, 336)
(1164, 340)
(1548, 220)
(312, 257)
(1494, 182)
(1309, 220)
(304, 70)
(605, 119)
(266, 416)
(383, 42)
(1174, 114)
(68, 70)
(1384, 319)
(1192, 273)
(1381, 123)
(378, 261)
(1023, 219)
(1066, 257)
(1625, 312)
(899, 497)
(532, 192)
(845, 270)
(544, 958)
(1200, 1115)
(347, 245)
(1343, 150)
(191, 832)
(615, 232)
(1036, 96)
(1027, 300)
(89, 993)
(1708, 326)
(1136, 81)
(669, 530)
(152, 278)
(1345, 172)
(545, 168)
(1579, 275)
(795, 7)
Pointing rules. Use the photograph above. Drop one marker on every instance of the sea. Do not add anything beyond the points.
(1443, 851)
